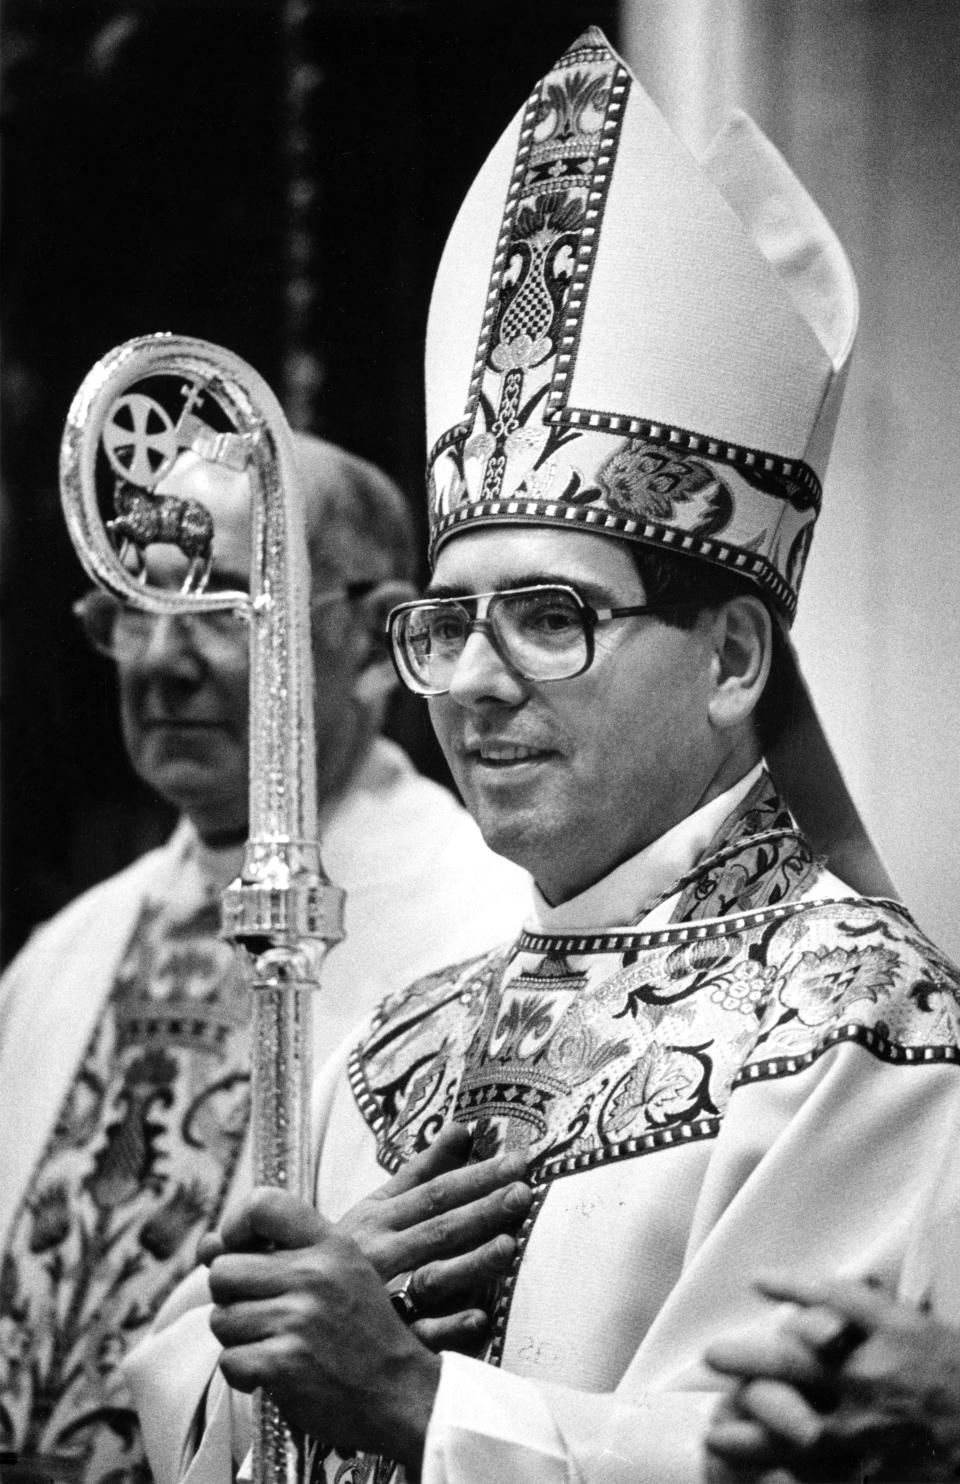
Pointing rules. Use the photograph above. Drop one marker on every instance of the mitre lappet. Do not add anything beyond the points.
(627, 340)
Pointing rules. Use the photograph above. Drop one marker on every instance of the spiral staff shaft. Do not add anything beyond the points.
(281, 912)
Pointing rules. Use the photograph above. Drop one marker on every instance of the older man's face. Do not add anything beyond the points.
(570, 778)
(183, 694)
(184, 697)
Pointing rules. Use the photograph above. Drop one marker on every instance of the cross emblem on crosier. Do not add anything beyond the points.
(139, 439)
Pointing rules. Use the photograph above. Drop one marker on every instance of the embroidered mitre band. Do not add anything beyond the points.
(628, 340)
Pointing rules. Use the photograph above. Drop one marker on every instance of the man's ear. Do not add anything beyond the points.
(375, 682)
(376, 677)
(742, 648)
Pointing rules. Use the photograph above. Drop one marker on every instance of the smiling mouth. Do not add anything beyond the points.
(501, 755)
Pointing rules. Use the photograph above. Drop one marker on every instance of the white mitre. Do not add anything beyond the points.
(630, 341)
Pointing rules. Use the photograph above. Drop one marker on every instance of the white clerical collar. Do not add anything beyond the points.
(624, 895)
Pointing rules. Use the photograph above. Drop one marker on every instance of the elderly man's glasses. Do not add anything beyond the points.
(543, 633)
(123, 633)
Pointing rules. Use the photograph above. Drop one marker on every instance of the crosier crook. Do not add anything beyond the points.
(281, 911)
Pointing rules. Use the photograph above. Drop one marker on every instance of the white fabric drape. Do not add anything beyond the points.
(861, 98)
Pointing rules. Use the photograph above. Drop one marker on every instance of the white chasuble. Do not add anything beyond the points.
(763, 1081)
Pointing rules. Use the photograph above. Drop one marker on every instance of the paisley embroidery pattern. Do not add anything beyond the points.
(319, 1464)
(582, 1076)
(588, 1048)
(762, 859)
(135, 1171)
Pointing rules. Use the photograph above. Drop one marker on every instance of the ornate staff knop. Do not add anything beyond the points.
(136, 410)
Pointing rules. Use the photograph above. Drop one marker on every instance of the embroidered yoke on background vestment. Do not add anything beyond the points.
(124, 1065)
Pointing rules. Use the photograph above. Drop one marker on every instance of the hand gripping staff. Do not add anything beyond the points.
(136, 411)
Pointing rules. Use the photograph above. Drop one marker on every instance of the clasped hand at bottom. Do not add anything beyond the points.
(841, 1383)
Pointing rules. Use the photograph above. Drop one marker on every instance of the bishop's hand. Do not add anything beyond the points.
(311, 1322)
(301, 1306)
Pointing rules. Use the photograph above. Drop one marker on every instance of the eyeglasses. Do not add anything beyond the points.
(543, 633)
(122, 632)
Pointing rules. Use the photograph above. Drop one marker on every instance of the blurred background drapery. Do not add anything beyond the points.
(278, 176)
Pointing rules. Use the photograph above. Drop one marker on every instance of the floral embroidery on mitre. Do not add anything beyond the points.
(523, 448)
(480, 446)
(49, 1211)
(651, 483)
(512, 465)
(540, 264)
(570, 109)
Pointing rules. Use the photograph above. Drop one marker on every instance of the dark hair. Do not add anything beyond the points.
(672, 577)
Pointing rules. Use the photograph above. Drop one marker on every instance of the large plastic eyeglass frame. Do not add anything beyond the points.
(590, 617)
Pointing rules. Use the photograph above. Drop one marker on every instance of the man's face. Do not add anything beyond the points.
(183, 703)
(184, 699)
(569, 778)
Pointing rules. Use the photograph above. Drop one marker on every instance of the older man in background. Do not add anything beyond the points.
(124, 1023)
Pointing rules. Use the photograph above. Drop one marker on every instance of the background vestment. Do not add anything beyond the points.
(418, 878)
(748, 1086)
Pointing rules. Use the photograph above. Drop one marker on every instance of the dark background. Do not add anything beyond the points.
(275, 177)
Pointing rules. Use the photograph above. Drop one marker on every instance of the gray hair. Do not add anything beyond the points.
(359, 523)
